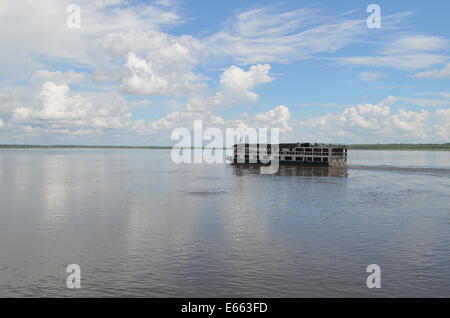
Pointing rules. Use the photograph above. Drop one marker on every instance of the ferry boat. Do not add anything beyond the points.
(299, 154)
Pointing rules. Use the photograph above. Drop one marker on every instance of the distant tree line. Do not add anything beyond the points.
(445, 146)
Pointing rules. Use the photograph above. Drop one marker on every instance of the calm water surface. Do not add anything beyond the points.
(139, 225)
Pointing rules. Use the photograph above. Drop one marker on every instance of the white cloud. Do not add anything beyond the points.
(156, 63)
(57, 109)
(410, 123)
(106, 75)
(410, 43)
(30, 29)
(59, 77)
(270, 34)
(278, 117)
(171, 77)
(440, 94)
(435, 73)
(368, 121)
(442, 129)
(238, 83)
(370, 76)
(176, 119)
(426, 102)
(406, 52)
(121, 41)
(150, 43)
(235, 86)
(13, 97)
(404, 61)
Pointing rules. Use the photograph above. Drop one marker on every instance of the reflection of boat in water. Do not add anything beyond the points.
(295, 171)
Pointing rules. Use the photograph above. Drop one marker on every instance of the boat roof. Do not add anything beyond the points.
(298, 145)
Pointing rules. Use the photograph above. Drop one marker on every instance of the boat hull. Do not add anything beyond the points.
(286, 163)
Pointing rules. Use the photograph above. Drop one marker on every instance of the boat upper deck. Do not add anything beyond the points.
(294, 146)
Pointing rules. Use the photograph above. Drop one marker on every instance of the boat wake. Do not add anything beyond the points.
(443, 172)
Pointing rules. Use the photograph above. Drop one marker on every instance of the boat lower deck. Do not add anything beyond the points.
(287, 163)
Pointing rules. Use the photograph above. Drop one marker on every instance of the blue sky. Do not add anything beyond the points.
(136, 70)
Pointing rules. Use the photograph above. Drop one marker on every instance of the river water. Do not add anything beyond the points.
(139, 225)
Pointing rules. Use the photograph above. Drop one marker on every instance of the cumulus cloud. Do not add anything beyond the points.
(38, 28)
(13, 97)
(156, 63)
(238, 84)
(122, 42)
(235, 86)
(177, 119)
(278, 117)
(56, 108)
(373, 121)
(442, 128)
(168, 77)
(150, 43)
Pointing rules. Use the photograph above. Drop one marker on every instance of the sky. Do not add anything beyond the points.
(115, 72)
